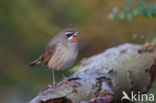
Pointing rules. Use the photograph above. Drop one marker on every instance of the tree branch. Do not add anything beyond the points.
(104, 76)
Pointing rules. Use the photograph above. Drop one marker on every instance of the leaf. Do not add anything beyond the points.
(122, 16)
(135, 12)
(129, 16)
(111, 16)
(147, 13)
(115, 9)
(128, 2)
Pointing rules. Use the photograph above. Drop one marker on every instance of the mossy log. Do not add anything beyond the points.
(127, 67)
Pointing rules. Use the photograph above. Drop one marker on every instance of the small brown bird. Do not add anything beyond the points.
(60, 53)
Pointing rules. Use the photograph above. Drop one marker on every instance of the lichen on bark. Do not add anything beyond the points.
(127, 67)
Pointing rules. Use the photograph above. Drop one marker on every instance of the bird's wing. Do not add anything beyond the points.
(49, 52)
(45, 57)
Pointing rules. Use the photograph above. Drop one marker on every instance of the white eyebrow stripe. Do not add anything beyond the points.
(69, 33)
(70, 38)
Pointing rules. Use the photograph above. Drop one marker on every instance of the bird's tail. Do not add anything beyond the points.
(37, 61)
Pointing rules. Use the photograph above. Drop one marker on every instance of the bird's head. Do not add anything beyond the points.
(70, 35)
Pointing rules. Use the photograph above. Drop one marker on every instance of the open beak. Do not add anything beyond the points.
(76, 33)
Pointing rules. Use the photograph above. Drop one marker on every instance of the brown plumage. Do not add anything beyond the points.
(44, 58)
(60, 53)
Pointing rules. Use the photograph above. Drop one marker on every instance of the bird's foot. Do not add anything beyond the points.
(49, 86)
(52, 85)
(66, 80)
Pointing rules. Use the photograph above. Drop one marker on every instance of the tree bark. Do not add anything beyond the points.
(127, 67)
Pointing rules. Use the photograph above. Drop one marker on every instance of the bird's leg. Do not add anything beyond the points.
(64, 78)
(53, 77)
(63, 75)
(53, 74)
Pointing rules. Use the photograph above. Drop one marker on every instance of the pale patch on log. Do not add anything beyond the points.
(123, 68)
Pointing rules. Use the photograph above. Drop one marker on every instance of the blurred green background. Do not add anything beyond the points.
(26, 26)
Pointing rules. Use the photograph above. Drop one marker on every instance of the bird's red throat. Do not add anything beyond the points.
(74, 39)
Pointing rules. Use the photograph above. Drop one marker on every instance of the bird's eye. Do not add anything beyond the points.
(69, 35)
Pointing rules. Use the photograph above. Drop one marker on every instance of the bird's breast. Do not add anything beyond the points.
(63, 58)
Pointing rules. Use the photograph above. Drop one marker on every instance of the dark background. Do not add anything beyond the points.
(26, 26)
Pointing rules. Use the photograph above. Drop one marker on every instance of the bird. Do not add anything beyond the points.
(60, 53)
